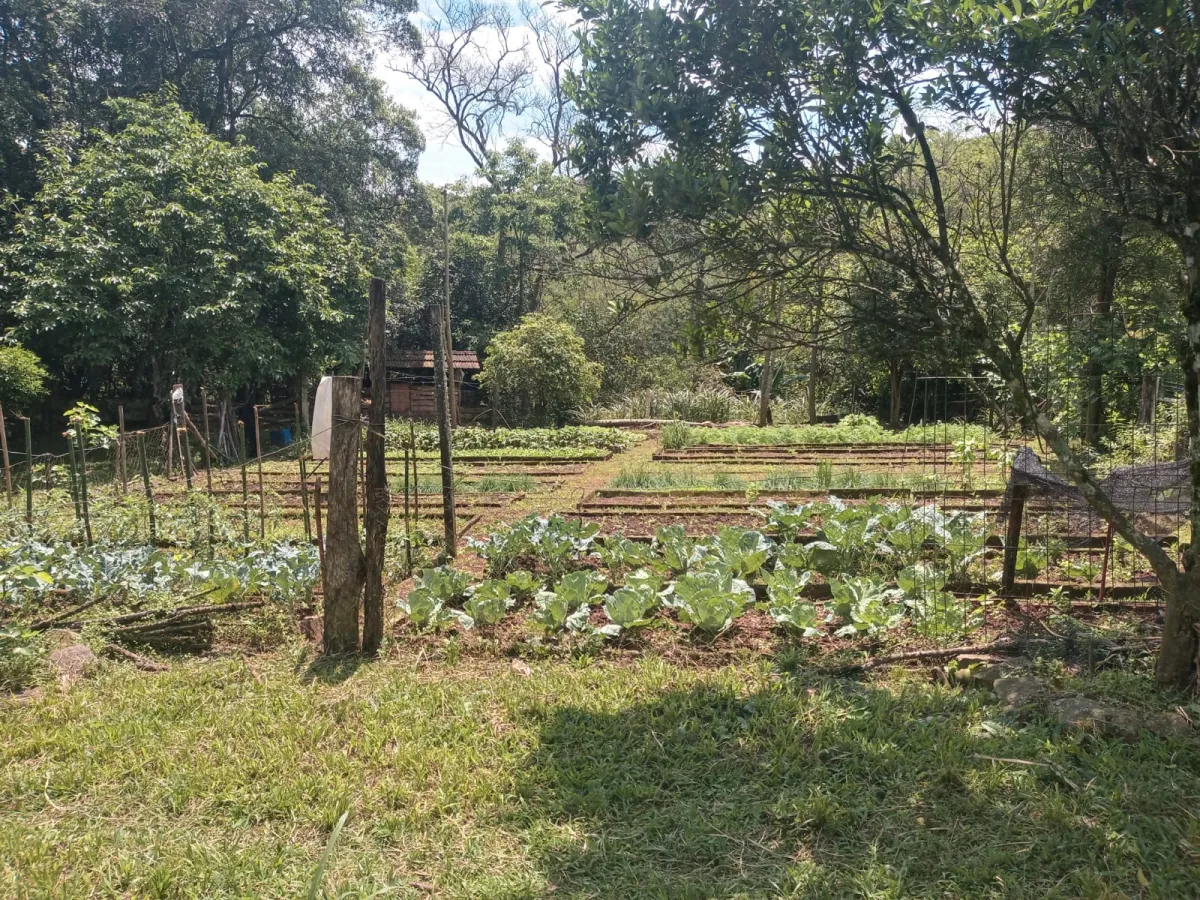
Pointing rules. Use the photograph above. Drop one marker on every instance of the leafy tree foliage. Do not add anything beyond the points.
(158, 251)
(22, 378)
(537, 373)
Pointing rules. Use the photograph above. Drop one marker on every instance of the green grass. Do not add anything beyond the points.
(668, 477)
(225, 778)
(853, 430)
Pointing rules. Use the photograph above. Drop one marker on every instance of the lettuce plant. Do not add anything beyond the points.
(709, 600)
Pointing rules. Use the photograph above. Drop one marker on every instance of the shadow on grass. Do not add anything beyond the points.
(820, 792)
(330, 669)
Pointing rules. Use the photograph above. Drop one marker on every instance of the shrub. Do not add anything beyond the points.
(22, 378)
(537, 373)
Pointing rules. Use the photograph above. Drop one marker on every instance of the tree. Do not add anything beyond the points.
(157, 251)
(836, 104)
(538, 373)
(22, 378)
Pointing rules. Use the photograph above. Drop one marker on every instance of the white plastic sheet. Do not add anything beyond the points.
(322, 418)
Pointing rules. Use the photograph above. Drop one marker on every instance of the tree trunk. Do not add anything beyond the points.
(814, 359)
(895, 371)
(376, 487)
(441, 387)
(1149, 400)
(344, 563)
(302, 400)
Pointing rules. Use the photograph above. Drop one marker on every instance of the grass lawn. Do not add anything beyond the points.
(465, 778)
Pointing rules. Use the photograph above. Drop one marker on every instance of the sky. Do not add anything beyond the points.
(444, 159)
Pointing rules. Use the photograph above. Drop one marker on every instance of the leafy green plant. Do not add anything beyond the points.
(941, 614)
(524, 584)
(618, 553)
(785, 520)
(20, 658)
(489, 602)
(742, 552)
(425, 609)
(629, 607)
(710, 601)
(443, 582)
(677, 550)
(786, 606)
(866, 605)
(645, 578)
(569, 604)
(676, 436)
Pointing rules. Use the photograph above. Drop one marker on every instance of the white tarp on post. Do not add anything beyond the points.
(322, 419)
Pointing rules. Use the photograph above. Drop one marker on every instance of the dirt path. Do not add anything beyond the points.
(573, 488)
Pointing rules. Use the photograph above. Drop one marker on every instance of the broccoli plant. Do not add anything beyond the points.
(710, 601)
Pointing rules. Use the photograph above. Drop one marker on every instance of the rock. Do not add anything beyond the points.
(1014, 692)
(313, 628)
(988, 675)
(1094, 715)
(71, 663)
(1169, 724)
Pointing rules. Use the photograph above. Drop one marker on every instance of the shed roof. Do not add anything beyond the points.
(465, 360)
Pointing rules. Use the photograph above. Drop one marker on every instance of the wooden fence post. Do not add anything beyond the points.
(375, 486)
(1012, 539)
(72, 481)
(320, 534)
(304, 498)
(122, 478)
(262, 500)
(412, 439)
(185, 452)
(83, 485)
(146, 484)
(446, 453)
(407, 527)
(4, 448)
(29, 459)
(344, 563)
(245, 486)
(207, 442)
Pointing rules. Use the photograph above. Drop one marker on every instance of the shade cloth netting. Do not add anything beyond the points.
(1147, 492)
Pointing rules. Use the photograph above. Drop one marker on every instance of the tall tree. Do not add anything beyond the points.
(157, 251)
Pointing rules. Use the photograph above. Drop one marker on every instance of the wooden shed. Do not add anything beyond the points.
(410, 383)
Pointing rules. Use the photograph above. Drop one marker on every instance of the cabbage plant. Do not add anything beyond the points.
(709, 600)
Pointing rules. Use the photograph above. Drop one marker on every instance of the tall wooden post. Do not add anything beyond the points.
(4, 448)
(245, 486)
(1012, 539)
(441, 385)
(262, 500)
(207, 443)
(304, 498)
(407, 525)
(344, 563)
(185, 452)
(29, 482)
(375, 488)
(122, 477)
(412, 440)
(146, 485)
(83, 484)
(447, 339)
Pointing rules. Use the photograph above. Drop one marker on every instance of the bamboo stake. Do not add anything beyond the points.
(304, 498)
(83, 485)
(29, 482)
(185, 454)
(407, 528)
(4, 448)
(245, 486)
(71, 482)
(146, 485)
(123, 478)
(262, 500)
